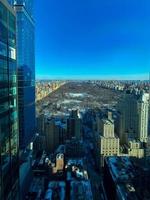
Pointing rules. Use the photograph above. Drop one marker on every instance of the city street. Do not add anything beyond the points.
(95, 176)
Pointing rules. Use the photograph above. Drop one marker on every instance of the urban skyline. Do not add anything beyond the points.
(119, 77)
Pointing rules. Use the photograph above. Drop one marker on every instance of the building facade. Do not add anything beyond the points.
(119, 179)
(107, 144)
(52, 135)
(26, 70)
(143, 111)
(9, 133)
(74, 125)
(135, 149)
(133, 117)
(128, 118)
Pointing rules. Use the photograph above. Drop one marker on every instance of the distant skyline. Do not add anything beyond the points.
(98, 77)
(84, 39)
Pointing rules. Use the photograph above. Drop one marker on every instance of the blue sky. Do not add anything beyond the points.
(93, 39)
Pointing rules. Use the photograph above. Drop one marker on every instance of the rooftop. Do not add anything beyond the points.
(108, 121)
(56, 190)
(75, 170)
(122, 172)
(81, 190)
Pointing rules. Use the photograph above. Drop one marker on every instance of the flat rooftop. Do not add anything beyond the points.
(122, 172)
(56, 190)
(81, 190)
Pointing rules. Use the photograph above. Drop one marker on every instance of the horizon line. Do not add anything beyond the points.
(142, 77)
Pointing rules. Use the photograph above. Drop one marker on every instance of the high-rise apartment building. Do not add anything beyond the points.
(74, 125)
(107, 144)
(143, 111)
(52, 135)
(127, 118)
(26, 69)
(133, 117)
(9, 160)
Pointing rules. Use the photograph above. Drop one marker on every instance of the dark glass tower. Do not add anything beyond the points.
(9, 160)
(26, 70)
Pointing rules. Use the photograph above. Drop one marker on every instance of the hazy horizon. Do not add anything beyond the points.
(142, 77)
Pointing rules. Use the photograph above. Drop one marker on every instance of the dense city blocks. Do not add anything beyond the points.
(74, 100)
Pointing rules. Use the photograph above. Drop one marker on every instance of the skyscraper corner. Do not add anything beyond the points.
(26, 69)
(9, 150)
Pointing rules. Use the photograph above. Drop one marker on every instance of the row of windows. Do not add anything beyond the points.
(6, 17)
(4, 92)
(11, 51)
(6, 105)
(9, 80)
(8, 113)
(110, 154)
(6, 63)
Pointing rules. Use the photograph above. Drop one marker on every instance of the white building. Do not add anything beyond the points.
(143, 111)
(107, 142)
(133, 118)
(135, 149)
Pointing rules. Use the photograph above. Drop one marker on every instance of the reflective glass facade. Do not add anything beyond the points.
(28, 4)
(9, 160)
(26, 70)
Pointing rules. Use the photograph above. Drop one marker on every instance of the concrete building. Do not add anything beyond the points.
(107, 144)
(127, 125)
(133, 117)
(52, 135)
(74, 148)
(106, 127)
(143, 111)
(40, 124)
(135, 149)
(126, 178)
(39, 143)
(50, 132)
(74, 125)
(118, 173)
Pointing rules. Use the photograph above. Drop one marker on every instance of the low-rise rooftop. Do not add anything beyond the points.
(81, 190)
(123, 173)
(56, 190)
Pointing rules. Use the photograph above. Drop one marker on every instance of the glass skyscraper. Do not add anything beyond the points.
(9, 158)
(26, 70)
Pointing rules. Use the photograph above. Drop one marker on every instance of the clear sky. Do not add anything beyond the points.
(92, 39)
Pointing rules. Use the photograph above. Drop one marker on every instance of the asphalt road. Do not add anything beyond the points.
(94, 176)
